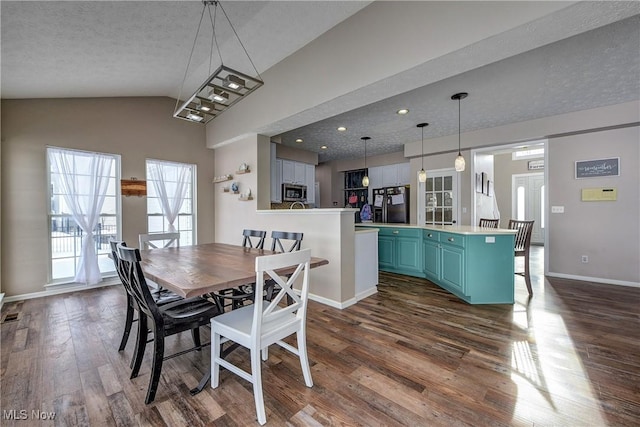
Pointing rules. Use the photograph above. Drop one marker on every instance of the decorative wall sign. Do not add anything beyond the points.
(599, 167)
(535, 164)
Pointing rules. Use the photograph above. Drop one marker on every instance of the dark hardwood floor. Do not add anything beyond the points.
(411, 355)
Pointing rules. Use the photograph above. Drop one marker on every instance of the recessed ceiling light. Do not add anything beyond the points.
(402, 111)
(324, 147)
(299, 140)
(342, 129)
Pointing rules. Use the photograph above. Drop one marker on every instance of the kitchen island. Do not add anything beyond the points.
(475, 264)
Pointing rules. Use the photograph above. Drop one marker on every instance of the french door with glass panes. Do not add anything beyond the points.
(438, 198)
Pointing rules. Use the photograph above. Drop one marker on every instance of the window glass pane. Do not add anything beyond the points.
(155, 224)
(438, 217)
(153, 206)
(448, 215)
(448, 182)
(429, 215)
(429, 184)
(439, 199)
(438, 183)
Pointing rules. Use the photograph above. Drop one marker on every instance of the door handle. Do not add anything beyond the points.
(451, 239)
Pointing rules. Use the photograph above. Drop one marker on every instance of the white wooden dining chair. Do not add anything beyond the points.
(258, 326)
(158, 240)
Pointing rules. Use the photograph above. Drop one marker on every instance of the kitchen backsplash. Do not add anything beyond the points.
(285, 205)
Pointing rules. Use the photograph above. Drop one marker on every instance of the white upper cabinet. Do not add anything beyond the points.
(288, 171)
(294, 172)
(276, 181)
(390, 175)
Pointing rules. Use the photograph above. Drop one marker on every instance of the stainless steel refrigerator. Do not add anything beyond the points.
(391, 204)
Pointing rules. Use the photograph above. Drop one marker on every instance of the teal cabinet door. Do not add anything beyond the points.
(386, 252)
(453, 267)
(431, 253)
(409, 254)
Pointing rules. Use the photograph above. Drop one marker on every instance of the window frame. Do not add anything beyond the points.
(110, 272)
(194, 209)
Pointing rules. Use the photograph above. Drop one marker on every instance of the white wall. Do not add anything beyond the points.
(329, 233)
(484, 204)
(135, 128)
(607, 232)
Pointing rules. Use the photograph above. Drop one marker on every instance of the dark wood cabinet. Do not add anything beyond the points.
(355, 195)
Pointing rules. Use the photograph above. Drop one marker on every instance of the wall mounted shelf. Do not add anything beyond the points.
(243, 172)
(246, 199)
(222, 178)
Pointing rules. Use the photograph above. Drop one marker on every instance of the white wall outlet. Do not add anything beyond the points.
(585, 259)
(557, 209)
(464, 210)
(490, 239)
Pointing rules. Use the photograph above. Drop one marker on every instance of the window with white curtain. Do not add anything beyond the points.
(171, 199)
(84, 214)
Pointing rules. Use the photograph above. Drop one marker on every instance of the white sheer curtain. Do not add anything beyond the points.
(171, 182)
(83, 179)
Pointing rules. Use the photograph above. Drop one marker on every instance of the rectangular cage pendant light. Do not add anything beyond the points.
(224, 87)
(220, 91)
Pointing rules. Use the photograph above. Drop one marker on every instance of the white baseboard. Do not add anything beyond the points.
(594, 279)
(62, 289)
(332, 303)
(367, 293)
(1, 300)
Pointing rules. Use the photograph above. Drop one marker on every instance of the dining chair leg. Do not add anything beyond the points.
(195, 334)
(216, 352)
(256, 376)
(141, 345)
(156, 366)
(304, 358)
(527, 275)
(128, 321)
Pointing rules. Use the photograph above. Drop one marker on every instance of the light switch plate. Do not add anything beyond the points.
(557, 209)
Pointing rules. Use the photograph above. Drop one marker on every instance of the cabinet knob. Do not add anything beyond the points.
(395, 231)
(429, 235)
(451, 239)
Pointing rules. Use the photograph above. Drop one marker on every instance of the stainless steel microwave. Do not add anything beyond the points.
(294, 193)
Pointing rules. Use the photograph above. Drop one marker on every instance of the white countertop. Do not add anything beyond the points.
(458, 229)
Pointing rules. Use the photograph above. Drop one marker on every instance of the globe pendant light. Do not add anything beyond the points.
(422, 175)
(459, 163)
(365, 178)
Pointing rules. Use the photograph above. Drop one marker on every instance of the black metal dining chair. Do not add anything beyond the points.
(161, 297)
(237, 297)
(162, 321)
(523, 246)
(488, 223)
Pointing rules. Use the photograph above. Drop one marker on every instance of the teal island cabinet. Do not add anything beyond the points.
(476, 264)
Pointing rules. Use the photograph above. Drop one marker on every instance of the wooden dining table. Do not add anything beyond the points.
(196, 270)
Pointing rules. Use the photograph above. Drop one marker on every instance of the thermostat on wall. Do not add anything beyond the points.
(599, 194)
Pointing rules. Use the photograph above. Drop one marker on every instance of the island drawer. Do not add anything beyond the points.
(453, 239)
(399, 232)
(430, 235)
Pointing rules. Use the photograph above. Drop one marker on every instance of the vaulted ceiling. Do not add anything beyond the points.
(58, 49)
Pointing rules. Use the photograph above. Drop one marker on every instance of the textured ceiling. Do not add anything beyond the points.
(66, 49)
(54, 49)
(597, 68)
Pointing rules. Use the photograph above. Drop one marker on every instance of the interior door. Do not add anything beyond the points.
(528, 202)
(440, 197)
